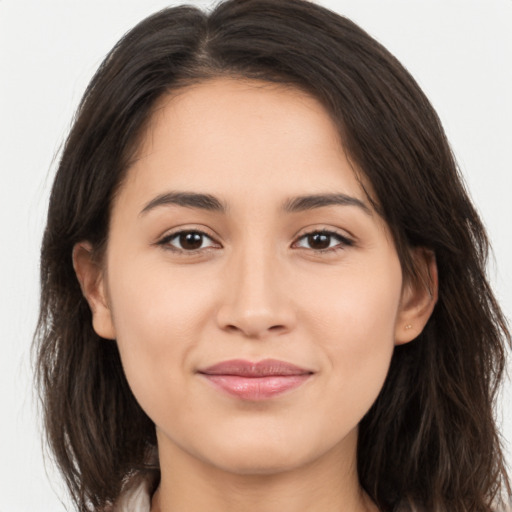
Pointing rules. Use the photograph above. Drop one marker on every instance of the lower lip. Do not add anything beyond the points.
(257, 388)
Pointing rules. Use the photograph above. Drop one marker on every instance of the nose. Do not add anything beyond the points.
(256, 300)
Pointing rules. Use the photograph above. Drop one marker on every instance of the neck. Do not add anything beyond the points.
(328, 484)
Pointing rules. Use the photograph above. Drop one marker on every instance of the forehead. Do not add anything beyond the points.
(227, 135)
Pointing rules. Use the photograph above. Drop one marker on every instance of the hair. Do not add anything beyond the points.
(430, 438)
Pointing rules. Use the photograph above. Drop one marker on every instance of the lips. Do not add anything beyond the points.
(255, 381)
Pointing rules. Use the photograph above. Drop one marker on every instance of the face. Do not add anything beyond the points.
(255, 296)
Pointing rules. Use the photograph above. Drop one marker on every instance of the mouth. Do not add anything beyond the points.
(255, 381)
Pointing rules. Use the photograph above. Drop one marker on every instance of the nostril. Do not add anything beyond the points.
(248, 331)
(255, 321)
(232, 328)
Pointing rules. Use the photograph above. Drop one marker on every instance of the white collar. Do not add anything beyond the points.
(135, 498)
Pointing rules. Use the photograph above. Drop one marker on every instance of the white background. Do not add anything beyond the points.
(460, 51)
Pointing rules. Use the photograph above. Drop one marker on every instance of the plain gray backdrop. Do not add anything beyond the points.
(460, 51)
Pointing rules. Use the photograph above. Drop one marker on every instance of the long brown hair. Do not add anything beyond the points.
(430, 438)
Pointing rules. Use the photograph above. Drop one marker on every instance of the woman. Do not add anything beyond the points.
(263, 281)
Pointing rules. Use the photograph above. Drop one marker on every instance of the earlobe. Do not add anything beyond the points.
(419, 297)
(92, 282)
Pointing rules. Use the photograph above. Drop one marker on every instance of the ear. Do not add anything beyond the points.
(92, 281)
(419, 296)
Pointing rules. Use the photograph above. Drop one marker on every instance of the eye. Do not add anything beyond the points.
(187, 241)
(323, 241)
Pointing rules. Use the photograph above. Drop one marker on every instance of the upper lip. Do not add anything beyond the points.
(264, 368)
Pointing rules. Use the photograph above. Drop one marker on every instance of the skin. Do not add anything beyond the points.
(256, 288)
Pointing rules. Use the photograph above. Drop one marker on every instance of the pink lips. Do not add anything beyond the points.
(255, 381)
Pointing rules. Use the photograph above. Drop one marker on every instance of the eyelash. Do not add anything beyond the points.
(343, 241)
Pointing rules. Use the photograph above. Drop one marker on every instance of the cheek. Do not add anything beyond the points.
(157, 318)
(146, 305)
(354, 324)
(359, 306)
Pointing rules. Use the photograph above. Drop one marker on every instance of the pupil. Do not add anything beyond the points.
(319, 241)
(191, 241)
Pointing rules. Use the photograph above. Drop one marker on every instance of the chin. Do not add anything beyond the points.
(260, 456)
(261, 463)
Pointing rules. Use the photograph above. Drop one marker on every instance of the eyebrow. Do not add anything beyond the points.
(310, 202)
(291, 205)
(188, 200)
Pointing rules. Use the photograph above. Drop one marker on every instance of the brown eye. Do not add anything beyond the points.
(190, 241)
(187, 241)
(323, 241)
(319, 240)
